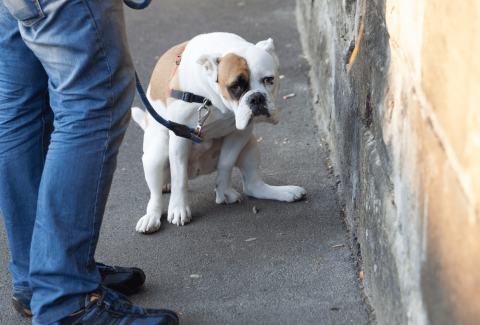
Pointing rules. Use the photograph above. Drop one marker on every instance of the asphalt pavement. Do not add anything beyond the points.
(289, 273)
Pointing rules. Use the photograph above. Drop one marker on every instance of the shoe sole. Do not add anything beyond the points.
(18, 307)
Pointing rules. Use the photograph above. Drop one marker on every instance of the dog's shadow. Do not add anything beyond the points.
(206, 211)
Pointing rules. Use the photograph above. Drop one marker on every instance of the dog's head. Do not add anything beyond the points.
(247, 80)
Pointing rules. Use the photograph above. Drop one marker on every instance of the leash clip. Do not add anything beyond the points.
(202, 119)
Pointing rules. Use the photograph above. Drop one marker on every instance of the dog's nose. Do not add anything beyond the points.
(257, 99)
(257, 103)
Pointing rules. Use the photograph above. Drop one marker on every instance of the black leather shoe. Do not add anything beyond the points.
(125, 280)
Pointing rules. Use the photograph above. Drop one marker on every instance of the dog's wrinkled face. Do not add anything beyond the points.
(247, 79)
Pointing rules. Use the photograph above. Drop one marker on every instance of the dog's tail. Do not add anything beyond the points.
(138, 116)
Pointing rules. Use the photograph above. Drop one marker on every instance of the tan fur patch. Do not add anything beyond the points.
(230, 67)
(161, 80)
(146, 119)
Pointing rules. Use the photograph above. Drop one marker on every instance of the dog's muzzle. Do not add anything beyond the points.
(257, 103)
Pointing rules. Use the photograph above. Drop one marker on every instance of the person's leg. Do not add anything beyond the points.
(83, 48)
(26, 124)
(25, 128)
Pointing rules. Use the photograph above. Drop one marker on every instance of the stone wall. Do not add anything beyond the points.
(404, 130)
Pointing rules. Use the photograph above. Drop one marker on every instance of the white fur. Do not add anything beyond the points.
(228, 134)
(139, 116)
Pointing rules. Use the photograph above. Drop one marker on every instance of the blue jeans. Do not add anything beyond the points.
(66, 86)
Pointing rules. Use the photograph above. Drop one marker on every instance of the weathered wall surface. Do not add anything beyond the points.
(404, 129)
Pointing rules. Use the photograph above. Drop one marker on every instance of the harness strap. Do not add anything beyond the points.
(189, 97)
(185, 95)
(177, 62)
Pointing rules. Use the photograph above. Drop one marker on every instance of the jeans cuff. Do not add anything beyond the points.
(23, 291)
(64, 312)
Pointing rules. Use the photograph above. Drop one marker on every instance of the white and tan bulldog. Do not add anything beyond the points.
(241, 80)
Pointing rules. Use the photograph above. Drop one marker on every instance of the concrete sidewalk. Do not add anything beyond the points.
(289, 274)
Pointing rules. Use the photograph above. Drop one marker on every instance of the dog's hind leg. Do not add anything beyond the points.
(156, 166)
(249, 164)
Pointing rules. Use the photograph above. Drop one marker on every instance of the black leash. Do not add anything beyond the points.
(181, 130)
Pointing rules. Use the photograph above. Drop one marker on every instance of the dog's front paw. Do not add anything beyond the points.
(148, 223)
(179, 215)
(291, 193)
(228, 196)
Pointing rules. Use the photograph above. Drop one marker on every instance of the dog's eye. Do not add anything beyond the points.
(268, 80)
(236, 88)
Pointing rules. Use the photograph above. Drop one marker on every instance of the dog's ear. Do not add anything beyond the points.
(210, 64)
(268, 46)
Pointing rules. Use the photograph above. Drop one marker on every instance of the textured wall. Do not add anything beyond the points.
(404, 128)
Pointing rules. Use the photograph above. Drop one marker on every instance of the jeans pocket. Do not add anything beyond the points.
(28, 12)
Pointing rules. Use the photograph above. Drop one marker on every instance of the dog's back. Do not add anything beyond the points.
(162, 75)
